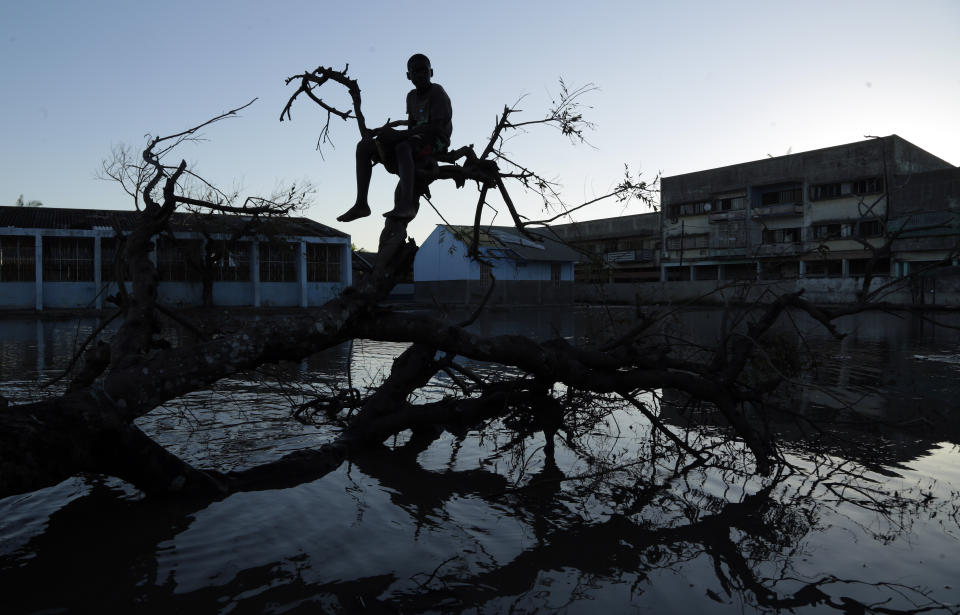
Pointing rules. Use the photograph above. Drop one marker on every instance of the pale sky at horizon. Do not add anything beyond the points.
(682, 87)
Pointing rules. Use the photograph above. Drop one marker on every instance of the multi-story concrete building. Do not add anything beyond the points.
(615, 250)
(64, 258)
(822, 213)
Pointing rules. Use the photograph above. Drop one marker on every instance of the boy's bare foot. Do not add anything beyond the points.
(357, 211)
(401, 214)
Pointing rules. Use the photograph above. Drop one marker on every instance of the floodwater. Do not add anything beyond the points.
(868, 517)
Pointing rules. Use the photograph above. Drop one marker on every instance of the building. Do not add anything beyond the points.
(364, 263)
(615, 250)
(525, 271)
(813, 214)
(64, 258)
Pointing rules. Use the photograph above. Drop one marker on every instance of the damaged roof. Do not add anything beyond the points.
(508, 242)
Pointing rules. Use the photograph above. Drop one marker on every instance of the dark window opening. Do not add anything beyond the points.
(486, 275)
(782, 235)
(323, 262)
(782, 197)
(858, 267)
(870, 228)
(836, 190)
(733, 203)
(830, 231)
(17, 259)
(278, 262)
(233, 266)
(68, 259)
(824, 269)
(174, 258)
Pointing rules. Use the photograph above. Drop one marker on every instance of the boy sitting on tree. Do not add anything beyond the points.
(429, 122)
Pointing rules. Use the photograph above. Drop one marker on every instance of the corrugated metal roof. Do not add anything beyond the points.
(87, 219)
(515, 245)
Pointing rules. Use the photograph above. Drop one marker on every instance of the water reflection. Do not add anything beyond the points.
(469, 524)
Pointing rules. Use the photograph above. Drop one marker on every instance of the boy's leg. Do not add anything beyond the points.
(366, 150)
(405, 206)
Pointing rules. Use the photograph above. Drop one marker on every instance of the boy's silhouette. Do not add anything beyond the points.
(429, 125)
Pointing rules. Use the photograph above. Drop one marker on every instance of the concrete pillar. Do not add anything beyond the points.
(302, 273)
(97, 277)
(255, 271)
(663, 273)
(844, 268)
(691, 274)
(720, 272)
(906, 268)
(346, 265)
(802, 269)
(38, 271)
(756, 274)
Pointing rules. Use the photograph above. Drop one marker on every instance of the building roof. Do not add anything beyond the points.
(508, 242)
(873, 157)
(632, 225)
(63, 218)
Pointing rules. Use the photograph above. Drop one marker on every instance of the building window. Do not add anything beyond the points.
(323, 262)
(731, 235)
(781, 197)
(17, 262)
(278, 262)
(68, 259)
(234, 266)
(486, 275)
(555, 270)
(782, 235)
(830, 231)
(689, 242)
(735, 203)
(836, 190)
(858, 267)
(870, 228)
(824, 269)
(177, 259)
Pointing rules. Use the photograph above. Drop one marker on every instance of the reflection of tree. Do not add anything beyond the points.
(637, 529)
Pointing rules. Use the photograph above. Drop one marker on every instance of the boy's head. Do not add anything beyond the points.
(419, 70)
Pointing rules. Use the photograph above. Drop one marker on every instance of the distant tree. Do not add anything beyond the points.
(20, 203)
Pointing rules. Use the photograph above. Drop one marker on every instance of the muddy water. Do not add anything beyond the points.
(868, 515)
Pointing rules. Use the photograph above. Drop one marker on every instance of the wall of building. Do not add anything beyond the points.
(442, 257)
(83, 294)
(941, 287)
(179, 294)
(21, 295)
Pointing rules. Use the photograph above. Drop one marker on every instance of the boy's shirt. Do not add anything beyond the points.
(434, 109)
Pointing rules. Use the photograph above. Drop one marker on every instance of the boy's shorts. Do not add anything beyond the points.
(388, 158)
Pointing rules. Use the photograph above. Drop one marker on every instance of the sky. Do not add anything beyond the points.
(679, 86)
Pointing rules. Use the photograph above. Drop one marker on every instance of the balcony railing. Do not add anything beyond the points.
(784, 209)
(723, 216)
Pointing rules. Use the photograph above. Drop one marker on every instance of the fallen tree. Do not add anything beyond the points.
(90, 428)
